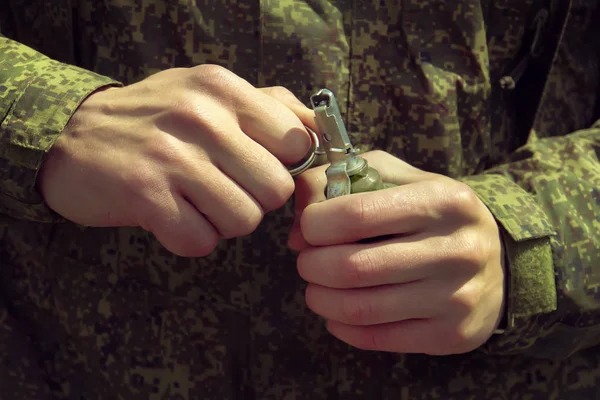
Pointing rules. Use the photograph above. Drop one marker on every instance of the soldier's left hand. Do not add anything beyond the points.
(434, 281)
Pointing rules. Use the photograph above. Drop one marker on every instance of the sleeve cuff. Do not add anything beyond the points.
(43, 104)
(531, 287)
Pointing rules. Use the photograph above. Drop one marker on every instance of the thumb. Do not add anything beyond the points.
(394, 170)
(310, 188)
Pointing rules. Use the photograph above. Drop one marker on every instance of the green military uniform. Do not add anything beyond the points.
(501, 94)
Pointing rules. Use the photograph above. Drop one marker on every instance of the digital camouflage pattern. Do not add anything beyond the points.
(110, 314)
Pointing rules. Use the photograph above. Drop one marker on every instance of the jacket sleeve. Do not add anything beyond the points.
(546, 200)
(38, 96)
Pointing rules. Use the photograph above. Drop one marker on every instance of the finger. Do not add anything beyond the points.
(392, 261)
(275, 126)
(410, 336)
(305, 114)
(393, 169)
(250, 165)
(295, 240)
(404, 209)
(229, 208)
(181, 228)
(376, 305)
(262, 117)
(310, 188)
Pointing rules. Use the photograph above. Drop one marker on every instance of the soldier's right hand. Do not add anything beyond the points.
(191, 155)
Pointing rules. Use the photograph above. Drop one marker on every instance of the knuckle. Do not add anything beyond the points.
(281, 188)
(217, 82)
(184, 109)
(437, 190)
(376, 342)
(357, 269)
(437, 187)
(467, 251)
(357, 310)
(164, 149)
(187, 115)
(175, 234)
(212, 74)
(202, 248)
(457, 199)
(466, 300)
(311, 299)
(246, 223)
(280, 92)
(305, 264)
(465, 197)
(371, 340)
(363, 210)
(452, 339)
(283, 94)
(191, 119)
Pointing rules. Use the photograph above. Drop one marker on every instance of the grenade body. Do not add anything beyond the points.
(367, 179)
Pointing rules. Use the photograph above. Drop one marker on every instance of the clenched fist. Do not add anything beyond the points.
(413, 269)
(192, 155)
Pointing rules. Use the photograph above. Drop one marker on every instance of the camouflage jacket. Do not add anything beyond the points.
(500, 94)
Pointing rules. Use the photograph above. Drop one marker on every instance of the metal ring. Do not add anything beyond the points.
(314, 150)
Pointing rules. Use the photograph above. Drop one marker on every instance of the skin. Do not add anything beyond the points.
(196, 155)
(434, 281)
(192, 155)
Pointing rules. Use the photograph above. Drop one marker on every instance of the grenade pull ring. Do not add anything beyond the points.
(314, 151)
